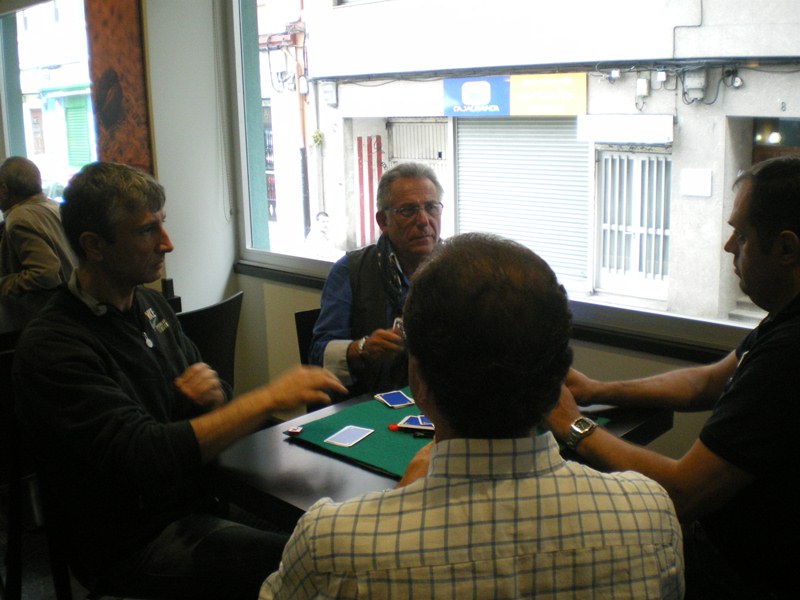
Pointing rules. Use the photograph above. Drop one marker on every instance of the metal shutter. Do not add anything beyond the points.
(531, 181)
(76, 112)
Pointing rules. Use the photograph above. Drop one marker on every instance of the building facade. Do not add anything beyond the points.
(605, 136)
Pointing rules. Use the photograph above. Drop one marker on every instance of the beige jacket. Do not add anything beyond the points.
(34, 252)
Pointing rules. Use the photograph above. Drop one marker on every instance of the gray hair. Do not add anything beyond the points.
(101, 194)
(409, 170)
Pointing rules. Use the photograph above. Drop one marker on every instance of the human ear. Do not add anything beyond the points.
(93, 245)
(380, 218)
(789, 247)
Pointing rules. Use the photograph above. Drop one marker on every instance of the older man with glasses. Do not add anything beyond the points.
(359, 332)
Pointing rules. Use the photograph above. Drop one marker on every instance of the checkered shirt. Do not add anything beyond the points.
(493, 519)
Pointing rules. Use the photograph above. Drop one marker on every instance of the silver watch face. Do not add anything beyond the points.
(582, 425)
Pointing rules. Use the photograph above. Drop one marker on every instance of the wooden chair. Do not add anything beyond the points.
(213, 329)
(21, 471)
(304, 325)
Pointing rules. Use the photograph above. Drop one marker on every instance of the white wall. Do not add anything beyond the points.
(191, 158)
(421, 35)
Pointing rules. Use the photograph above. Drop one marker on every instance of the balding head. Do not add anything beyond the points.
(19, 179)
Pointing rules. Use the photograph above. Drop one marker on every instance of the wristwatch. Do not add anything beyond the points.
(580, 428)
(360, 346)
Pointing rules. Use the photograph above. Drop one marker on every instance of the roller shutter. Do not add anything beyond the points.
(530, 180)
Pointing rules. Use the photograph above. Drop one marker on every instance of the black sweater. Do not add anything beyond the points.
(96, 398)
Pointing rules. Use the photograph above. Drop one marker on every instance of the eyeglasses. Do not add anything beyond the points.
(409, 211)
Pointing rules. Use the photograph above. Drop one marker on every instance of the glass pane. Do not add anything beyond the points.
(282, 217)
(57, 121)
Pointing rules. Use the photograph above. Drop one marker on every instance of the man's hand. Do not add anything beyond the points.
(200, 384)
(383, 345)
(563, 415)
(581, 387)
(418, 466)
(218, 429)
(302, 385)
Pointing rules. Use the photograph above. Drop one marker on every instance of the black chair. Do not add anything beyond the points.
(21, 473)
(304, 325)
(213, 330)
(304, 321)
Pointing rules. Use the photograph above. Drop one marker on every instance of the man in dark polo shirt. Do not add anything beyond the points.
(736, 488)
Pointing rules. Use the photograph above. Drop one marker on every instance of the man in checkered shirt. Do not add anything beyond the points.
(490, 509)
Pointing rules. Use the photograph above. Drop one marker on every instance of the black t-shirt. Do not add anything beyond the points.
(754, 427)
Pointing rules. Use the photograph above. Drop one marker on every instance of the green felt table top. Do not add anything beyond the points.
(384, 450)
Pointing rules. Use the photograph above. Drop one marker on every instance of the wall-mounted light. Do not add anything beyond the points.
(774, 137)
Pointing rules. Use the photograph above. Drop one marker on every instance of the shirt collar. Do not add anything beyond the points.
(98, 308)
(504, 458)
(29, 200)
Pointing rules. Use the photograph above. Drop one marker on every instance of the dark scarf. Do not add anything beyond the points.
(391, 274)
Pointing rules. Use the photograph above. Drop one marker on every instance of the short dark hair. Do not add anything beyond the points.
(774, 197)
(410, 170)
(101, 194)
(489, 326)
(21, 176)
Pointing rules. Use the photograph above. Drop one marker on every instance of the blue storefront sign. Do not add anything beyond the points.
(477, 97)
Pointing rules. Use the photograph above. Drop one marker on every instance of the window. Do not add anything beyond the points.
(279, 208)
(627, 197)
(633, 213)
(47, 90)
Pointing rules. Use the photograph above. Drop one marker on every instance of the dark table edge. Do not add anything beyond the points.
(636, 425)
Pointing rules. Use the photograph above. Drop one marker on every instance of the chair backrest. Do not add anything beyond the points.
(304, 324)
(213, 330)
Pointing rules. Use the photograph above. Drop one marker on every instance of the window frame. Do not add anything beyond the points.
(248, 166)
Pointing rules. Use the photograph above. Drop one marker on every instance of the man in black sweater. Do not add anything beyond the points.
(124, 414)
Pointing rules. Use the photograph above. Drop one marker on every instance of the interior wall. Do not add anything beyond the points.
(189, 124)
(267, 342)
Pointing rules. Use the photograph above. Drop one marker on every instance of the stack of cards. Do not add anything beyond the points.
(417, 422)
(396, 399)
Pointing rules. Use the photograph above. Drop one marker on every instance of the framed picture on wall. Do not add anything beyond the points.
(119, 82)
